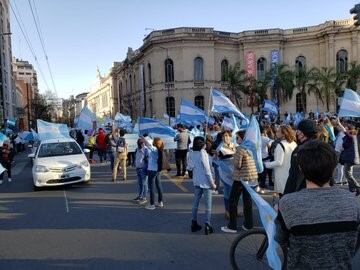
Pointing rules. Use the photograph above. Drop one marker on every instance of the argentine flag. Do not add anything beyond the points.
(154, 127)
(47, 131)
(189, 112)
(222, 104)
(270, 107)
(350, 105)
(85, 119)
(252, 141)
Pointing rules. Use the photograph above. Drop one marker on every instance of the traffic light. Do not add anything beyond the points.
(356, 10)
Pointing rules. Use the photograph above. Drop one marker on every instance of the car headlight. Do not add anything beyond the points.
(85, 163)
(41, 168)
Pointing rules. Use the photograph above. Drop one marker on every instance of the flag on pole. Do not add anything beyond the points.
(270, 107)
(189, 112)
(222, 104)
(350, 105)
(267, 216)
(85, 119)
(252, 141)
(154, 127)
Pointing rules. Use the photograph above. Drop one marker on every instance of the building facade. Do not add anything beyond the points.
(186, 62)
(7, 89)
(102, 100)
(81, 102)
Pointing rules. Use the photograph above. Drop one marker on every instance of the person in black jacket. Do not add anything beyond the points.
(306, 131)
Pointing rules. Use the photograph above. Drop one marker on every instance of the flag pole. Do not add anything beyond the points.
(208, 112)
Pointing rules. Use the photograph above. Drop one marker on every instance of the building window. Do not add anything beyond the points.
(169, 70)
(224, 69)
(261, 68)
(170, 106)
(198, 69)
(341, 61)
(199, 102)
(300, 107)
(149, 73)
(300, 63)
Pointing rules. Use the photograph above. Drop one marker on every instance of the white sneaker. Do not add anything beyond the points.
(9, 179)
(150, 207)
(160, 204)
(227, 230)
(215, 192)
(1, 181)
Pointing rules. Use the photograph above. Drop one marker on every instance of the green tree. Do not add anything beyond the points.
(235, 76)
(283, 84)
(326, 84)
(42, 109)
(303, 80)
(352, 76)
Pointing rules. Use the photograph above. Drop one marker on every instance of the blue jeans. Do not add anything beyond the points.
(154, 178)
(142, 181)
(217, 175)
(198, 192)
(111, 156)
(227, 190)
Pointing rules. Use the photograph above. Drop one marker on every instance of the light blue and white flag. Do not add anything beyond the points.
(350, 105)
(228, 124)
(123, 121)
(172, 120)
(85, 119)
(188, 111)
(222, 104)
(154, 127)
(288, 119)
(49, 131)
(267, 216)
(270, 107)
(10, 122)
(3, 137)
(297, 118)
(252, 141)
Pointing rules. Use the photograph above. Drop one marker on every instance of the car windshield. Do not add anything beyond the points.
(59, 149)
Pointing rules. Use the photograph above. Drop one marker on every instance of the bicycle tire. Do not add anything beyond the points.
(252, 254)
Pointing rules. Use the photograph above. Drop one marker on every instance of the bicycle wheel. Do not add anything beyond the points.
(248, 250)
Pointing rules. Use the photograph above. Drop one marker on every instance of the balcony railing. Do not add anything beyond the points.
(169, 85)
(198, 83)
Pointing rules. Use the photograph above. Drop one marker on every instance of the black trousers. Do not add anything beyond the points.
(181, 163)
(262, 176)
(236, 190)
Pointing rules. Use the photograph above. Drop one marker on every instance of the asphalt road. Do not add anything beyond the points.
(97, 226)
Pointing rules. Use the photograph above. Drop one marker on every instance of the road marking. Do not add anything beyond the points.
(66, 202)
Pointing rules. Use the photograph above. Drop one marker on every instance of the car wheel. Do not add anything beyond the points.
(35, 188)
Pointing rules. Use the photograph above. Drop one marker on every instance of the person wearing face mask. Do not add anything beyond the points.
(306, 131)
(244, 170)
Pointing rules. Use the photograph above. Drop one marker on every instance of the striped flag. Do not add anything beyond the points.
(85, 119)
(48, 130)
(222, 104)
(252, 141)
(154, 127)
(350, 105)
(270, 107)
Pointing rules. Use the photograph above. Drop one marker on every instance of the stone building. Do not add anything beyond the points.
(103, 99)
(186, 62)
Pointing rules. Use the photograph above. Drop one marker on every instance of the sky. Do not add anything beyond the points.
(81, 35)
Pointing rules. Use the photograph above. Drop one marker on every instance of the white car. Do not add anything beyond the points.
(59, 162)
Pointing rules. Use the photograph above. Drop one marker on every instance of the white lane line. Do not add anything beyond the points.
(66, 202)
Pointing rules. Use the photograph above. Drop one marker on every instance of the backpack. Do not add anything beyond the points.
(120, 145)
(273, 147)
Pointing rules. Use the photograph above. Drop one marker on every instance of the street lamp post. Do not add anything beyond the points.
(167, 77)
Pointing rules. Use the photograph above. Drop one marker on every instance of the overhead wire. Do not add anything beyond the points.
(38, 29)
(28, 42)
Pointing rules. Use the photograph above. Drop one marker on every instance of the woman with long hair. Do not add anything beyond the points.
(154, 171)
(282, 157)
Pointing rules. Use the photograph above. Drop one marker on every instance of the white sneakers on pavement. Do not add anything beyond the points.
(150, 207)
(227, 230)
(160, 204)
(9, 179)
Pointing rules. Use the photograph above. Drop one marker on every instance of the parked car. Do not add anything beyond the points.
(59, 162)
